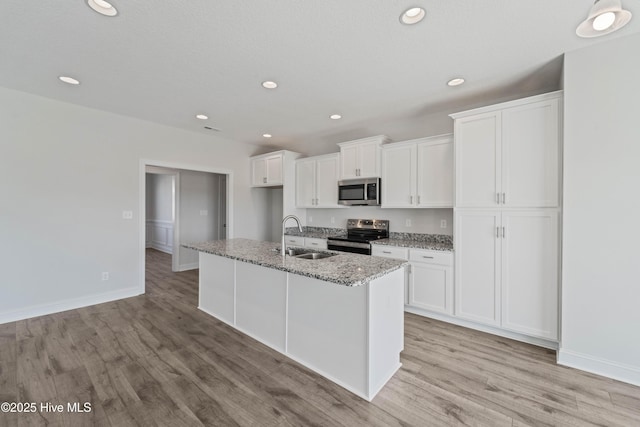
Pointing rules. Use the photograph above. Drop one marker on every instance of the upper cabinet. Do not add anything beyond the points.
(507, 155)
(267, 170)
(361, 158)
(317, 181)
(418, 173)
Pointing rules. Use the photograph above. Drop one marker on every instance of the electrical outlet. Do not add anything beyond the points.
(127, 214)
(204, 212)
(443, 223)
(407, 222)
(333, 220)
(105, 276)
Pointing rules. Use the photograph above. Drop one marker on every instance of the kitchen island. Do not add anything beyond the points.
(340, 316)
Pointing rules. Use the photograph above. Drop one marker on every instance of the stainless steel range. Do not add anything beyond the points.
(359, 233)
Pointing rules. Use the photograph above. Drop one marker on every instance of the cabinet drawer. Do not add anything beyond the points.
(432, 257)
(316, 243)
(294, 240)
(390, 252)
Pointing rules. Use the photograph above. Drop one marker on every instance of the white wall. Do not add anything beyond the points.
(422, 220)
(67, 174)
(601, 267)
(159, 197)
(199, 191)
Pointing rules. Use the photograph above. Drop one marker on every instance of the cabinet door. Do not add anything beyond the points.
(530, 152)
(274, 169)
(305, 183)
(530, 272)
(315, 243)
(435, 174)
(327, 181)
(477, 152)
(349, 162)
(431, 287)
(477, 266)
(399, 177)
(369, 161)
(258, 172)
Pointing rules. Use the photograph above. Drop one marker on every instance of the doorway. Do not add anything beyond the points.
(182, 203)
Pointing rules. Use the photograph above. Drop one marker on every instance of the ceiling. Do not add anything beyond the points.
(166, 61)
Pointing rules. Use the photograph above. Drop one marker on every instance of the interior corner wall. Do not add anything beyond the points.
(68, 173)
(601, 230)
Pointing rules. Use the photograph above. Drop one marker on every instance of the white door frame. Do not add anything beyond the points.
(143, 214)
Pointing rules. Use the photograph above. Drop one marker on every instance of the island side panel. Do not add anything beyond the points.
(261, 298)
(386, 328)
(217, 287)
(327, 330)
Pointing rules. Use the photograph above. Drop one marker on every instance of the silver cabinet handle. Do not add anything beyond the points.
(410, 200)
(428, 257)
(418, 199)
(314, 244)
(497, 198)
(504, 198)
(386, 252)
(497, 232)
(264, 180)
(503, 233)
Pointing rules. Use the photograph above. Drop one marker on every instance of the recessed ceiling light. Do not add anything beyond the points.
(413, 15)
(335, 117)
(605, 16)
(267, 135)
(69, 80)
(102, 7)
(455, 82)
(269, 85)
(201, 117)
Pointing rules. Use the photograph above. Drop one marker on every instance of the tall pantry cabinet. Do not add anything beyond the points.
(506, 214)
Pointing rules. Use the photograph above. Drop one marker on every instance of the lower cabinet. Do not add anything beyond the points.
(431, 281)
(507, 269)
(307, 242)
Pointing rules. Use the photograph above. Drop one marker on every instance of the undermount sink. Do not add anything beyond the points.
(314, 255)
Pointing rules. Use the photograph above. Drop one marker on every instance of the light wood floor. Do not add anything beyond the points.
(156, 360)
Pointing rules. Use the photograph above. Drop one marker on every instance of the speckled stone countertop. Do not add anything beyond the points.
(434, 242)
(343, 269)
(315, 232)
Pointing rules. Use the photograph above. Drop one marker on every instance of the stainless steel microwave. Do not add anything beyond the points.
(359, 192)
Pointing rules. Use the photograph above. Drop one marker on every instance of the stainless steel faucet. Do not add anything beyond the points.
(284, 220)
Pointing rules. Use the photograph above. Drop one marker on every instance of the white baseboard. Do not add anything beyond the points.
(161, 248)
(70, 304)
(540, 342)
(192, 266)
(595, 365)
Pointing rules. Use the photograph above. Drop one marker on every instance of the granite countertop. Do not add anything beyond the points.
(433, 242)
(315, 232)
(343, 269)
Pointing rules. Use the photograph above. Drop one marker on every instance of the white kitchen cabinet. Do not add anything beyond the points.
(317, 182)
(315, 243)
(294, 241)
(266, 170)
(507, 155)
(418, 173)
(396, 252)
(506, 269)
(431, 280)
(477, 266)
(361, 158)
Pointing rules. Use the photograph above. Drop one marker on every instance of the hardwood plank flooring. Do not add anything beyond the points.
(156, 360)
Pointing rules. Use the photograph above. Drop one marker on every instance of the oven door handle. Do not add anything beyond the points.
(348, 244)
